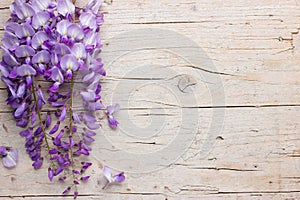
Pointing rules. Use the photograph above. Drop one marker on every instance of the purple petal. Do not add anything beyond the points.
(62, 49)
(93, 5)
(26, 70)
(33, 117)
(113, 123)
(59, 170)
(88, 139)
(69, 62)
(89, 132)
(55, 128)
(41, 5)
(38, 163)
(21, 90)
(24, 51)
(9, 40)
(56, 75)
(78, 50)
(11, 27)
(92, 39)
(23, 11)
(53, 151)
(38, 39)
(41, 57)
(66, 191)
(89, 118)
(75, 32)
(40, 95)
(25, 133)
(62, 27)
(88, 96)
(119, 178)
(93, 126)
(63, 114)
(65, 7)
(84, 178)
(76, 118)
(11, 159)
(88, 19)
(48, 120)
(24, 30)
(9, 59)
(50, 174)
(112, 109)
(20, 110)
(40, 19)
(93, 106)
(3, 151)
(107, 173)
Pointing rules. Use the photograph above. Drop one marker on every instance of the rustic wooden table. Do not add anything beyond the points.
(210, 98)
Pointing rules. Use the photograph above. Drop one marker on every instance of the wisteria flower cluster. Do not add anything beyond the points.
(53, 42)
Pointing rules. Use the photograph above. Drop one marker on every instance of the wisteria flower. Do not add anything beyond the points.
(110, 110)
(110, 178)
(54, 41)
(9, 157)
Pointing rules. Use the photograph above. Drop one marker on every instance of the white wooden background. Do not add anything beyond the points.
(255, 44)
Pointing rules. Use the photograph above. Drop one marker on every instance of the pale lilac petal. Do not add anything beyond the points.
(50, 174)
(11, 159)
(119, 178)
(88, 96)
(89, 132)
(93, 106)
(69, 62)
(9, 59)
(88, 139)
(40, 19)
(92, 39)
(88, 19)
(11, 27)
(62, 49)
(41, 4)
(23, 10)
(89, 118)
(56, 75)
(24, 30)
(62, 27)
(41, 57)
(93, 126)
(93, 5)
(76, 118)
(78, 50)
(112, 109)
(75, 32)
(24, 51)
(38, 39)
(107, 173)
(63, 114)
(20, 110)
(21, 90)
(9, 40)
(65, 7)
(26, 70)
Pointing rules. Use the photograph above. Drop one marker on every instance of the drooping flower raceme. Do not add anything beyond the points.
(56, 42)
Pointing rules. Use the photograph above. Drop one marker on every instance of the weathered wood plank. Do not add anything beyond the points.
(255, 47)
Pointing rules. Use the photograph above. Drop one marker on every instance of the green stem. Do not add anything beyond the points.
(71, 125)
(39, 114)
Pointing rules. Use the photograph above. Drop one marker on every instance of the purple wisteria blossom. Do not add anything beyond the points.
(110, 110)
(110, 178)
(55, 41)
(9, 156)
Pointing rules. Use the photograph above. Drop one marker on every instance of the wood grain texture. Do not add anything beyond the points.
(255, 47)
